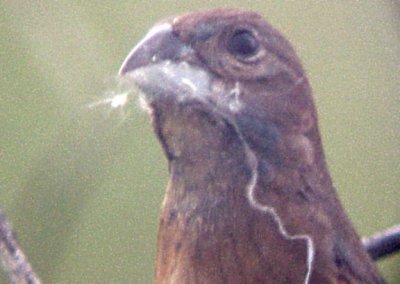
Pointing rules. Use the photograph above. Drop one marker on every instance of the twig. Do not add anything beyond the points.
(14, 260)
(383, 243)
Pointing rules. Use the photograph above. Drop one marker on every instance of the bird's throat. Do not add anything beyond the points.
(209, 230)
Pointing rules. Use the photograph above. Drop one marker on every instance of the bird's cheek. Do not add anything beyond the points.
(259, 133)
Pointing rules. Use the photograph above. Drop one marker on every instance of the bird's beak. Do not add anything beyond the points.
(161, 66)
(159, 44)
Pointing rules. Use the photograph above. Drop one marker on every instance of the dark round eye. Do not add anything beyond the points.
(243, 43)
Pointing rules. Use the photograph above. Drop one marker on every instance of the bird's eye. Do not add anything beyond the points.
(243, 43)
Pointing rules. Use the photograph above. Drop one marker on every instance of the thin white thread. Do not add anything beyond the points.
(115, 101)
(250, 187)
(235, 104)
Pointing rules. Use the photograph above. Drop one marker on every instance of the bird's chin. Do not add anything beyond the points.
(172, 81)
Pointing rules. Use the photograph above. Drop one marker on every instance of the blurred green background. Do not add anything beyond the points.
(83, 186)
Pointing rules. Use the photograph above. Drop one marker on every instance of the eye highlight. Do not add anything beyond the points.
(243, 43)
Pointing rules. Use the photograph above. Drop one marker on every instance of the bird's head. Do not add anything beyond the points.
(207, 71)
(249, 190)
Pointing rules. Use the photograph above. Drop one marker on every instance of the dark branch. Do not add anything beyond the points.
(383, 243)
(12, 257)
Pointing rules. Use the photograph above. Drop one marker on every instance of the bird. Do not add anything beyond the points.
(250, 198)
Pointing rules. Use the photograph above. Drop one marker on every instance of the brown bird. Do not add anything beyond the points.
(250, 198)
